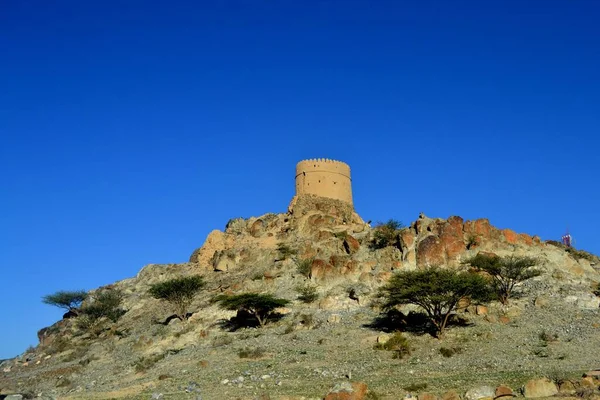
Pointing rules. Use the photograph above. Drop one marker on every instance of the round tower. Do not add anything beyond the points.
(325, 178)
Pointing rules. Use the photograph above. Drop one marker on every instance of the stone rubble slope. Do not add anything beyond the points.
(315, 345)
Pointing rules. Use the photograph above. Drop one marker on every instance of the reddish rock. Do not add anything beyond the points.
(407, 238)
(503, 391)
(510, 236)
(320, 269)
(430, 252)
(451, 395)
(426, 396)
(504, 320)
(482, 230)
(481, 310)
(351, 245)
(526, 239)
(452, 237)
(338, 261)
(347, 391)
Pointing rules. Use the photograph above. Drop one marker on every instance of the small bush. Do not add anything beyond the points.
(386, 234)
(415, 387)
(596, 290)
(145, 363)
(307, 293)
(285, 251)
(251, 352)
(579, 254)
(220, 341)
(304, 266)
(398, 343)
(472, 242)
(449, 351)
(179, 292)
(548, 337)
(105, 303)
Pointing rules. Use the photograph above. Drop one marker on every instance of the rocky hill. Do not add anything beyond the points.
(551, 330)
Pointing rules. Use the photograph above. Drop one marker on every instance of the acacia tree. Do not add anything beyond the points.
(178, 291)
(261, 306)
(68, 300)
(506, 272)
(437, 291)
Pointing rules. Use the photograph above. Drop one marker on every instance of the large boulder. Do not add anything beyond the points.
(542, 387)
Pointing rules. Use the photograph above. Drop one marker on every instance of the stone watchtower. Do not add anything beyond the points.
(325, 178)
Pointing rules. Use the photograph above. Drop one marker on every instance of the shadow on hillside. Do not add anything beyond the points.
(244, 319)
(414, 322)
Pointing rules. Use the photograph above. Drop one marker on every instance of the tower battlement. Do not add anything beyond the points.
(324, 177)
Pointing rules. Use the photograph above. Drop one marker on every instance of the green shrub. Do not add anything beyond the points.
(145, 363)
(386, 234)
(435, 290)
(220, 341)
(285, 251)
(579, 254)
(179, 292)
(398, 343)
(596, 289)
(304, 266)
(251, 352)
(415, 387)
(260, 306)
(546, 337)
(68, 300)
(104, 303)
(506, 272)
(449, 351)
(307, 293)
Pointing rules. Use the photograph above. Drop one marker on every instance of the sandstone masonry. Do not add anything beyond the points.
(325, 178)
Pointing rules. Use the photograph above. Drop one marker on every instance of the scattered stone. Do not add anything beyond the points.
(588, 383)
(157, 396)
(503, 391)
(347, 391)
(481, 310)
(451, 395)
(480, 392)
(542, 387)
(14, 397)
(541, 302)
(567, 387)
(427, 396)
(334, 319)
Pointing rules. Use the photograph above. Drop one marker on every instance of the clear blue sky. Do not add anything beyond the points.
(131, 129)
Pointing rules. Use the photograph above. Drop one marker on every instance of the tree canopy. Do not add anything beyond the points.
(261, 306)
(178, 291)
(437, 291)
(69, 300)
(506, 272)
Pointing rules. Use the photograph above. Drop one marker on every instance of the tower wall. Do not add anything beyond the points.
(323, 177)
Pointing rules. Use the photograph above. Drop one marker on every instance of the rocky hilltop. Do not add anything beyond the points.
(551, 330)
